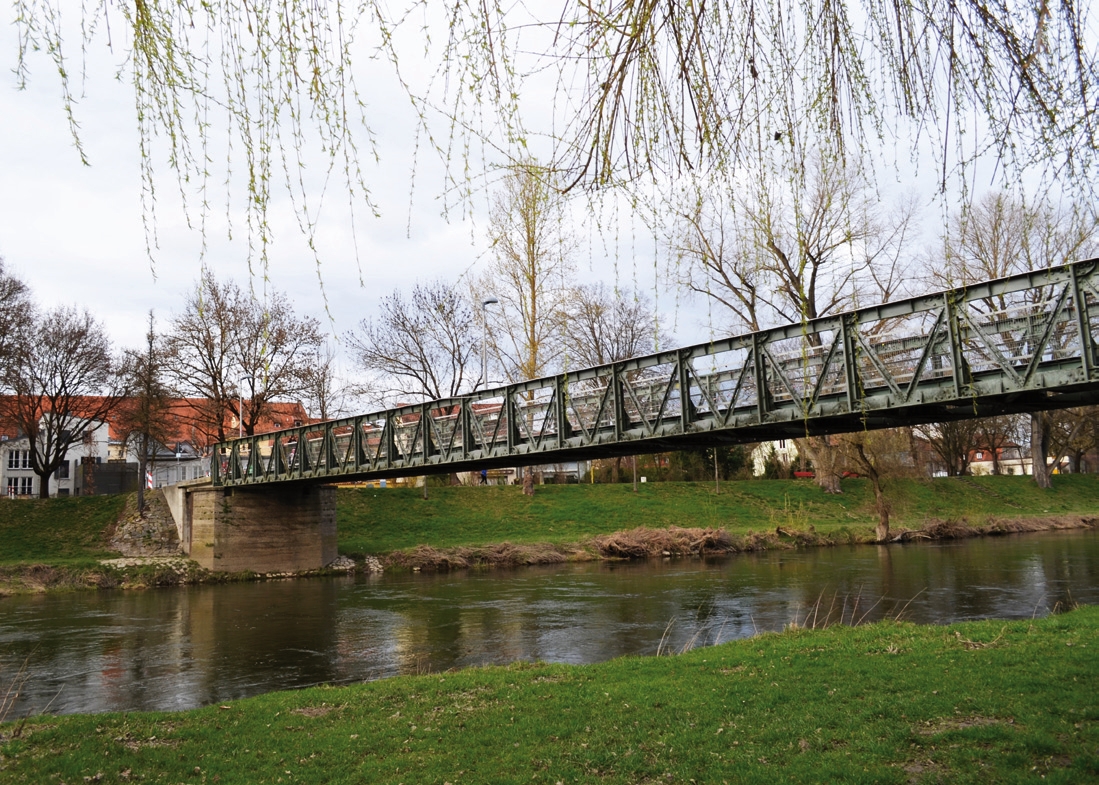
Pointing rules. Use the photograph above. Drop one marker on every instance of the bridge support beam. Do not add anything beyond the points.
(271, 529)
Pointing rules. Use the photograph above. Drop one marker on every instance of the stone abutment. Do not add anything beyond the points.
(268, 530)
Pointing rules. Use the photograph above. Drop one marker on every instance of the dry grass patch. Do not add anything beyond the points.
(313, 711)
(947, 724)
(505, 554)
(642, 543)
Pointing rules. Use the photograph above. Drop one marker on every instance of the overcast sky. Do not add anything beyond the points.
(75, 233)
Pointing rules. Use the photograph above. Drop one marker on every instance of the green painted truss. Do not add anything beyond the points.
(1018, 344)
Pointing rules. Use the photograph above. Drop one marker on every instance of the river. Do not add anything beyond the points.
(177, 648)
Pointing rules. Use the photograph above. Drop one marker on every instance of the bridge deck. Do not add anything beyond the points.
(1023, 343)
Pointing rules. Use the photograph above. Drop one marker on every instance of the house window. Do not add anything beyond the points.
(980, 456)
(62, 472)
(20, 486)
(19, 459)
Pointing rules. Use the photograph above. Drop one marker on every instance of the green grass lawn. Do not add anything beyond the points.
(888, 703)
(384, 520)
(69, 531)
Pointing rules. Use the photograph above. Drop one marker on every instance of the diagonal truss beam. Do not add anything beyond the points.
(924, 359)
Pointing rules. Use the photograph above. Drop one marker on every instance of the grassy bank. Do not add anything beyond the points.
(887, 703)
(382, 521)
(58, 543)
(68, 531)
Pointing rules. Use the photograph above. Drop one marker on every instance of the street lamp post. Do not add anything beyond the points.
(240, 411)
(484, 337)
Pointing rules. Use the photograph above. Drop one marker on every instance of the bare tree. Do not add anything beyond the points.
(16, 310)
(530, 274)
(995, 434)
(422, 346)
(143, 418)
(879, 455)
(603, 326)
(1074, 433)
(227, 345)
(790, 251)
(952, 442)
(999, 235)
(326, 394)
(782, 250)
(63, 384)
(277, 352)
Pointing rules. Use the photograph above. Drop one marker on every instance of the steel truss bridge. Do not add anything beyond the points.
(1018, 344)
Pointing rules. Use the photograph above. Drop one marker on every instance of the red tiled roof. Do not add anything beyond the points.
(185, 423)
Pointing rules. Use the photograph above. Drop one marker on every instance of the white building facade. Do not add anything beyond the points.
(784, 450)
(17, 479)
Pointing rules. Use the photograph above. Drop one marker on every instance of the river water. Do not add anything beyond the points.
(178, 648)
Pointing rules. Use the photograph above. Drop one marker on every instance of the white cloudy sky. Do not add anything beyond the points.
(75, 233)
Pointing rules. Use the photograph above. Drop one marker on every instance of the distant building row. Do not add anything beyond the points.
(100, 461)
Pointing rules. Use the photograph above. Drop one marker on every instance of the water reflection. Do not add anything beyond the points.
(179, 648)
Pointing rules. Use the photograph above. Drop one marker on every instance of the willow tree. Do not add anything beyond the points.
(608, 93)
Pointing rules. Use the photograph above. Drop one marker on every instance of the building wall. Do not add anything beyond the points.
(786, 452)
(171, 472)
(68, 480)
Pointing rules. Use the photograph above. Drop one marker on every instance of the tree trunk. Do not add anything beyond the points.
(528, 482)
(425, 485)
(881, 533)
(826, 459)
(141, 469)
(1039, 450)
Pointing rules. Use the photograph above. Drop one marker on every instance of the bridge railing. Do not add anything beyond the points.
(904, 361)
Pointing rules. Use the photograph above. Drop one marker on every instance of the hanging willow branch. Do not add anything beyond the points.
(614, 91)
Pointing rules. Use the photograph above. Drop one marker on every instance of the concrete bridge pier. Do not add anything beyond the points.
(272, 529)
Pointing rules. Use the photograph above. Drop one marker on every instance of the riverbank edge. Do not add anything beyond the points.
(678, 542)
(634, 544)
(884, 702)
